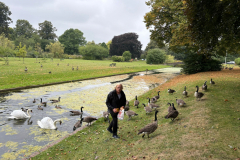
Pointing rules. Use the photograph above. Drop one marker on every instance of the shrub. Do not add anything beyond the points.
(127, 56)
(194, 63)
(237, 61)
(170, 59)
(93, 52)
(117, 58)
(156, 56)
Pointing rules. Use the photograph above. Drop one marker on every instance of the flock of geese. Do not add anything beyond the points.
(48, 123)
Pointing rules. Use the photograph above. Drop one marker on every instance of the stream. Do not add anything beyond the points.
(20, 138)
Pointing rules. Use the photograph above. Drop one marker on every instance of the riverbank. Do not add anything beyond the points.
(203, 130)
(15, 76)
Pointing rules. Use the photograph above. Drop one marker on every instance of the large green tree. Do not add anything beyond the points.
(72, 39)
(126, 42)
(151, 45)
(5, 19)
(24, 28)
(46, 30)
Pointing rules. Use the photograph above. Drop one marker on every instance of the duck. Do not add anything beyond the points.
(74, 113)
(204, 86)
(89, 119)
(173, 114)
(171, 91)
(24, 110)
(197, 94)
(106, 116)
(58, 107)
(147, 109)
(40, 108)
(34, 100)
(136, 102)
(157, 97)
(149, 128)
(185, 93)
(55, 101)
(48, 123)
(43, 103)
(130, 114)
(212, 82)
(152, 105)
(180, 102)
(19, 114)
(126, 108)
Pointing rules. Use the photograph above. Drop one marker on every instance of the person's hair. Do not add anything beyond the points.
(118, 85)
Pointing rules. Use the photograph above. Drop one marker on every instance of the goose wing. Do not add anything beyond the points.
(149, 128)
(172, 114)
(89, 119)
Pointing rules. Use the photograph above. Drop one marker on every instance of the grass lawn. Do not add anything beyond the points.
(13, 75)
(206, 129)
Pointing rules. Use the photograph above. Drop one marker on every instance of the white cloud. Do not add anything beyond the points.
(99, 20)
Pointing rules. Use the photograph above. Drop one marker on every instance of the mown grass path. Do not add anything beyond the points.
(207, 129)
(13, 75)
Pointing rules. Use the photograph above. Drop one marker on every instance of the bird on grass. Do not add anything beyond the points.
(130, 114)
(147, 109)
(136, 102)
(197, 94)
(172, 114)
(157, 97)
(204, 86)
(26, 69)
(212, 82)
(180, 102)
(185, 93)
(106, 116)
(171, 91)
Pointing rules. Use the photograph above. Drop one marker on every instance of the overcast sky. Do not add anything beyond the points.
(99, 20)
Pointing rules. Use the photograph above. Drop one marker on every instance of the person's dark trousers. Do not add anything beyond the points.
(114, 123)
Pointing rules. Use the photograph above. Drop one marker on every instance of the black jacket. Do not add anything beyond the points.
(114, 102)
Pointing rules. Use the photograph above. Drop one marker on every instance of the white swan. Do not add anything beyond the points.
(19, 114)
(47, 123)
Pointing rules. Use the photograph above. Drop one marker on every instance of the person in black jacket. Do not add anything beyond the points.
(115, 100)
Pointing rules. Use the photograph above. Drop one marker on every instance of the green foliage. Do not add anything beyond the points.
(56, 48)
(6, 48)
(194, 63)
(109, 44)
(156, 56)
(118, 59)
(104, 45)
(237, 61)
(22, 51)
(143, 56)
(151, 45)
(23, 28)
(170, 59)
(5, 19)
(127, 56)
(46, 31)
(230, 57)
(93, 52)
(72, 39)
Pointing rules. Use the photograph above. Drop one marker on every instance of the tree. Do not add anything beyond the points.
(24, 28)
(72, 39)
(56, 48)
(5, 20)
(104, 45)
(93, 52)
(151, 45)
(156, 56)
(46, 30)
(6, 47)
(126, 42)
(127, 56)
(109, 44)
(22, 51)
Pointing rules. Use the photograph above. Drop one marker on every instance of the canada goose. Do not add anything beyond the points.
(149, 128)
(77, 67)
(106, 116)
(78, 123)
(204, 86)
(58, 107)
(24, 110)
(49, 72)
(34, 100)
(171, 91)
(147, 109)
(43, 103)
(72, 68)
(170, 108)
(157, 97)
(212, 82)
(74, 113)
(180, 102)
(185, 93)
(153, 100)
(41, 65)
(173, 114)
(25, 69)
(136, 102)
(126, 108)
(58, 64)
(89, 119)
(197, 94)
(152, 105)
(40, 108)
(54, 100)
(130, 114)
(230, 68)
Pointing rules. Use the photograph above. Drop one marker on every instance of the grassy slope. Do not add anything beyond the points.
(203, 130)
(14, 75)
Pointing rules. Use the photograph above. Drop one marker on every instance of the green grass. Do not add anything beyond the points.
(204, 129)
(13, 75)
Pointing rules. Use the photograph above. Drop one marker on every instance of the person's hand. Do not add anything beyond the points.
(115, 110)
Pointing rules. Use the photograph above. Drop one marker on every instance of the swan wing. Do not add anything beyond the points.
(19, 114)
(46, 123)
